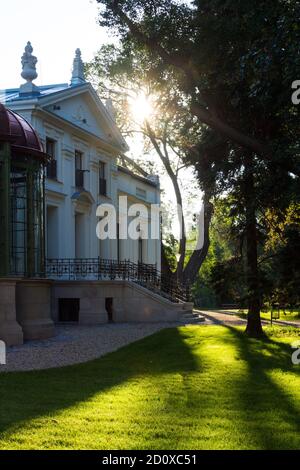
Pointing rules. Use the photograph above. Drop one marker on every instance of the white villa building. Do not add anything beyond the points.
(59, 152)
(79, 132)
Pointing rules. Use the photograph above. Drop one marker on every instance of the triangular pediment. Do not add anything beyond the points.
(82, 107)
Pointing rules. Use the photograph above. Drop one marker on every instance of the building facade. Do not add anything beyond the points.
(80, 134)
(59, 178)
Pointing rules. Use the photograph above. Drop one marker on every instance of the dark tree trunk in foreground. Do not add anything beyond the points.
(254, 326)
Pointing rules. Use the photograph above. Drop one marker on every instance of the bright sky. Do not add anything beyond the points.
(55, 28)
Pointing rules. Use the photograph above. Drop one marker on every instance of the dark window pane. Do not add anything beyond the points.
(78, 160)
(52, 169)
(79, 179)
(79, 173)
(51, 147)
(102, 180)
(102, 170)
(52, 165)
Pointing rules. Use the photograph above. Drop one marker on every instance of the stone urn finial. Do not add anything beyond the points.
(78, 69)
(29, 62)
(29, 72)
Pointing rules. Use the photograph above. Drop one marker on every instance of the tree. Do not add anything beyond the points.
(235, 62)
(126, 78)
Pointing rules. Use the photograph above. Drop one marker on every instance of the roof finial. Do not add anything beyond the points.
(29, 72)
(78, 69)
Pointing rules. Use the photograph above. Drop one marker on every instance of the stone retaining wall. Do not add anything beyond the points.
(29, 308)
(131, 302)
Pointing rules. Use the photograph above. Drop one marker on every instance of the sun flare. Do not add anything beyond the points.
(141, 108)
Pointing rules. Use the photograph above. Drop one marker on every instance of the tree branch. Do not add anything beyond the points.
(166, 162)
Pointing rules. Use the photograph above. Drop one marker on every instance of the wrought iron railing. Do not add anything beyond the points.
(143, 274)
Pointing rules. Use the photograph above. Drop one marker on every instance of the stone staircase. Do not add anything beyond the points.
(192, 318)
(189, 316)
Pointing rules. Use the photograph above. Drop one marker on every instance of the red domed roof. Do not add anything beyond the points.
(15, 129)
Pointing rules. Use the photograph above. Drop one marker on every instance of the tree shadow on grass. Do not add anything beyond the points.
(242, 408)
(28, 395)
(260, 396)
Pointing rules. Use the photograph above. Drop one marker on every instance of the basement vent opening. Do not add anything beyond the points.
(68, 310)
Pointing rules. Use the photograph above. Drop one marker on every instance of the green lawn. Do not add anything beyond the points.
(186, 388)
(289, 315)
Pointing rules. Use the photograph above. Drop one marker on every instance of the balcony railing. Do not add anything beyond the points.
(52, 169)
(79, 179)
(93, 269)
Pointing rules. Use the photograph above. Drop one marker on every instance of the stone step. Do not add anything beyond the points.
(198, 321)
(191, 315)
(192, 318)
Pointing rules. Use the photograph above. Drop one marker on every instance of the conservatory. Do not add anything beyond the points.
(22, 163)
(24, 291)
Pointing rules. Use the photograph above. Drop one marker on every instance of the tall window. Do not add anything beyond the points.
(102, 180)
(118, 243)
(141, 254)
(79, 173)
(78, 160)
(52, 165)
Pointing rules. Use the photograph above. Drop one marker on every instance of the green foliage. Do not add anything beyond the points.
(170, 247)
(280, 262)
(286, 314)
(234, 62)
(220, 279)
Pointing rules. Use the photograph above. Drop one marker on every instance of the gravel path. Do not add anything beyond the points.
(73, 344)
(230, 318)
(218, 318)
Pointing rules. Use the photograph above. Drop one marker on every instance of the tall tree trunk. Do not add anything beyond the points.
(198, 256)
(254, 326)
